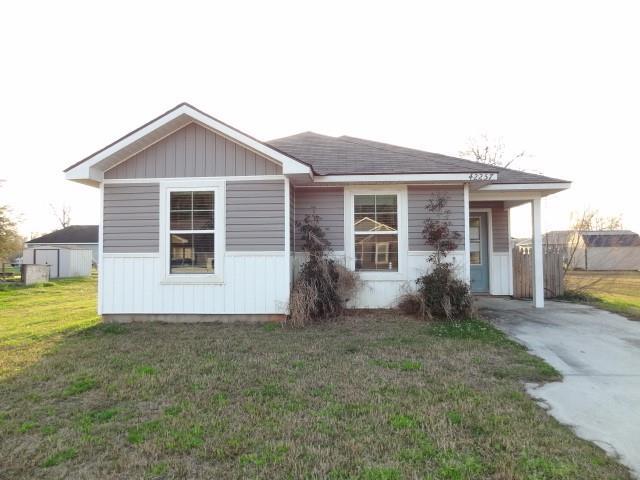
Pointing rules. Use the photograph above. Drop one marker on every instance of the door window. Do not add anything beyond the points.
(475, 235)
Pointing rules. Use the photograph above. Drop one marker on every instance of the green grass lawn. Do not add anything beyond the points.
(375, 396)
(618, 292)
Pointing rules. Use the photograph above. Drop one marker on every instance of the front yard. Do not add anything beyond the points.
(375, 396)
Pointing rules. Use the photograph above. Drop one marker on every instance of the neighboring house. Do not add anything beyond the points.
(82, 237)
(197, 217)
(598, 250)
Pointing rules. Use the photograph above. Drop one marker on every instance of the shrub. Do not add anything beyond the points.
(444, 295)
(439, 293)
(322, 286)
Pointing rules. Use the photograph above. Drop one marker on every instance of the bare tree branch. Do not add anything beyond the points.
(63, 215)
(492, 152)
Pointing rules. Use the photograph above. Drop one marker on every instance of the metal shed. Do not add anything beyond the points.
(63, 262)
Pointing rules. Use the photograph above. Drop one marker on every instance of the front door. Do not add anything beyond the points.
(479, 252)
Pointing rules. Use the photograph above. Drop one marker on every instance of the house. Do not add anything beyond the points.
(198, 218)
(83, 237)
(598, 250)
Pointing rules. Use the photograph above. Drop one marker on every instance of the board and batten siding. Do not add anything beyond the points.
(328, 203)
(194, 151)
(255, 215)
(418, 196)
(499, 224)
(131, 218)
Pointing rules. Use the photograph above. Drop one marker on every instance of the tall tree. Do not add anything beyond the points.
(63, 214)
(10, 240)
(490, 151)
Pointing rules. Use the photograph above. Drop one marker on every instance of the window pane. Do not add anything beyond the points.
(474, 253)
(181, 220)
(181, 201)
(364, 204)
(376, 253)
(203, 220)
(375, 213)
(386, 222)
(365, 223)
(192, 253)
(203, 200)
(474, 228)
(386, 203)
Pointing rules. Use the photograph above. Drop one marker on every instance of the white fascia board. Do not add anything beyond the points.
(88, 170)
(403, 177)
(525, 186)
(85, 174)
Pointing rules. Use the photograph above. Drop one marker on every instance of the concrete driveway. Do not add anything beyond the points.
(598, 353)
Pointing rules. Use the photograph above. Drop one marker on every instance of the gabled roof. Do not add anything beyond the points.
(71, 234)
(90, 169)
(355, 156)
(308, 154)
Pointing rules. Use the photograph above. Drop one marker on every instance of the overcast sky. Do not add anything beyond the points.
(560, 80)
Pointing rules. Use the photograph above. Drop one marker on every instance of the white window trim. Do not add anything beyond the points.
(219, 226)
(403, 231)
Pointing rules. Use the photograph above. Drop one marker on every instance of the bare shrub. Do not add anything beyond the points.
(412, 303)
(322, 286)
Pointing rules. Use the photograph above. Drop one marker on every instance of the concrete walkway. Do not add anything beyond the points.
(598, 353)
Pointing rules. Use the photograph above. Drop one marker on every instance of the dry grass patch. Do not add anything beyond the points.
(375, 396)
(618, 292)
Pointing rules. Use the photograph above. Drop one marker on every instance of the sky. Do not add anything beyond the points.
(559, 80)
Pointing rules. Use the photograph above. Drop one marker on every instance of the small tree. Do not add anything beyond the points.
(437, 231)
(440, 294)
(588, 220)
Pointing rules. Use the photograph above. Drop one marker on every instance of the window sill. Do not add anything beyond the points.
(381, 275)
(192, 280)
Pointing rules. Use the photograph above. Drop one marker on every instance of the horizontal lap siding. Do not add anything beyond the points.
(499, 224)
(131, 218)
(255, 215)
(328, 203)
(419, 195)
(194, 151)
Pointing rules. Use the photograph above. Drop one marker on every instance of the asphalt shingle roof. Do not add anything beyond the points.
(71, 234)
(355, 156)
(620, 238)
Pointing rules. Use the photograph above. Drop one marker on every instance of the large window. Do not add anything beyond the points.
(375, 226)
(192, 232)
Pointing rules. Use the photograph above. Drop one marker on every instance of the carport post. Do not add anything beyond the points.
(538, 267)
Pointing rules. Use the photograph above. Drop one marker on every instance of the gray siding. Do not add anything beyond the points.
(194, 151)
(255, 216)
(328, 203)
(292, 218)
(419, 195)
(131, 218)
(499, 224)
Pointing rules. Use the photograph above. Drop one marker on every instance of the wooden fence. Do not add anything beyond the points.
(523, 272)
